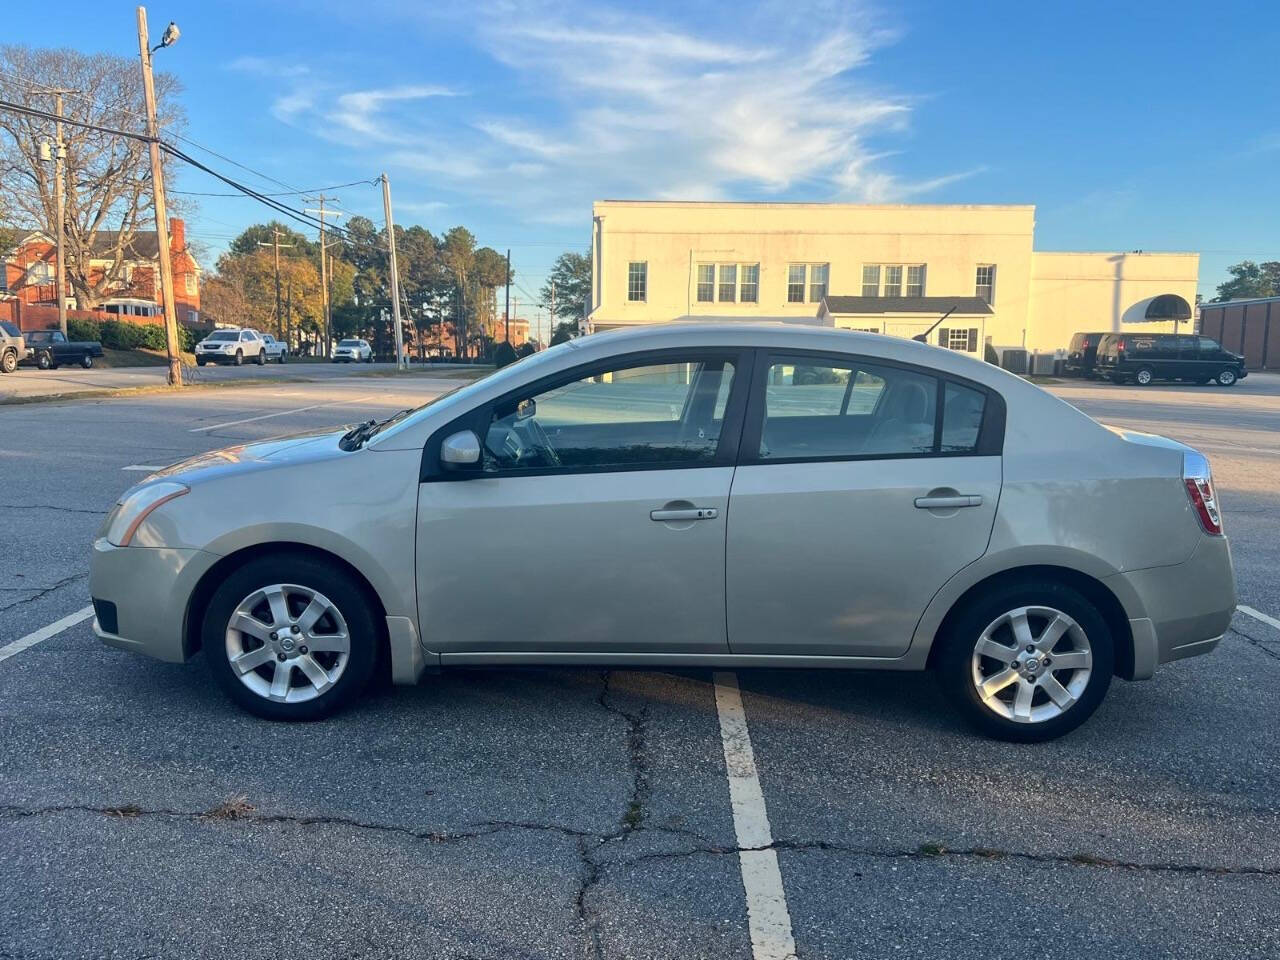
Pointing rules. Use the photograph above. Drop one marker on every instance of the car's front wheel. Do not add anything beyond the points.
(1227, 377)
(289, 637)
(44, 361)
(239, 357)
(1027, 662)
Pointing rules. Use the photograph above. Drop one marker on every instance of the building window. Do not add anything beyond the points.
(750, 290)
(728, 283)
(871, 280)
(893, 280)
(959, 338)
(892, 273)
(795, 283)
(41, 271)
(818, 281)
(637, 281)
(915, 280)
(706, 282)
(984, 282)
(190, 281)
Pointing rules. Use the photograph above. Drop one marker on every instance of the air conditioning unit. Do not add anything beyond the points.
(1014, 359)
(1042, 364)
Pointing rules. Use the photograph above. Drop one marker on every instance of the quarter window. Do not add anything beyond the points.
(817, 409)
(984, 281)
(962, 410)
(663, 415)
(637, 281)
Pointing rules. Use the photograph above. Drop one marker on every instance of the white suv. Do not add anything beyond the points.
(231, 345)
(353, 351)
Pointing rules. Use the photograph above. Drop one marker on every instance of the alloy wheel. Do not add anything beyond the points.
(1031, 664)
(1227, 377)
(288, 643)
(1143, 377)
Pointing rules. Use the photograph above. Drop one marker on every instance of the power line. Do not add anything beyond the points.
(286, 193)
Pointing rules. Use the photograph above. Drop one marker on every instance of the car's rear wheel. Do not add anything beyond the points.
(1144, 376)
(1227, 377)
(1027, 662)
(289, 637)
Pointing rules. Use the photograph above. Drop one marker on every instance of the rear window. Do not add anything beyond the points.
(10, 330)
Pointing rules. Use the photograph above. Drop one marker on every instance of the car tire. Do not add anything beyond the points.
(239, 361)
(8, 362)
(200, 361)
(262, 358)
(298, 581)
(1144, 376)
(992, 695)
(1227, 377)
(87, 362)
(283, 357)
(44, 362)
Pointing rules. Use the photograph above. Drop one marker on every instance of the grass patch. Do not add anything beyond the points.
(634, 815)
(233, 808)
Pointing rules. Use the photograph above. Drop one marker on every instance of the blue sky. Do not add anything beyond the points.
(1130, 126)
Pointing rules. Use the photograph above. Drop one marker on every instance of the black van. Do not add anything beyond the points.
(1082, 354)
(1144, 357)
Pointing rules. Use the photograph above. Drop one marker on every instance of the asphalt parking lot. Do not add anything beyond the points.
(585, 813)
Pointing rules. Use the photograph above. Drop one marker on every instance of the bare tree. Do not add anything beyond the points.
(108, 176)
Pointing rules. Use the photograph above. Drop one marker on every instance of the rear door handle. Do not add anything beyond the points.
(688, 513)
(948, 503)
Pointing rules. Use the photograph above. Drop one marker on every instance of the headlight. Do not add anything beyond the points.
(124, 520)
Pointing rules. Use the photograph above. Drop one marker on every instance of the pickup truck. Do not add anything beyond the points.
(50, 349)
(13, 347)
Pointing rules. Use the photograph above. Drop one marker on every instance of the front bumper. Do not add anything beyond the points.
(1185, 608)
(149, 588)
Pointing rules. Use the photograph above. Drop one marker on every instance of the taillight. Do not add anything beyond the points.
(1198, 479)
(1120, 344)
(1085, 345)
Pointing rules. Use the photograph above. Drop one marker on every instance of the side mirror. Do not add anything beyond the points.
(461, 449)
(527, 408)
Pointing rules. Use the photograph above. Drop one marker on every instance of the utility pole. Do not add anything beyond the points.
(515, 312)
(275, 244)
(288, 316)
(551, 321)
(395, 271)
(507, 309)
(60, 203)
(324, 268)
(157, 191)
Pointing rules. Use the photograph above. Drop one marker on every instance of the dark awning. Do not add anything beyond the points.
(861, 306)
(1168, 306)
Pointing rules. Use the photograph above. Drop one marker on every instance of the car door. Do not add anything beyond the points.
(595, 522)
(862, 487)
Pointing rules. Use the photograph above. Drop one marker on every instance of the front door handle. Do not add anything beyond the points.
(949, 503)
(687, 513)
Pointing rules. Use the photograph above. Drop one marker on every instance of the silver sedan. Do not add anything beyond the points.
(688, 496)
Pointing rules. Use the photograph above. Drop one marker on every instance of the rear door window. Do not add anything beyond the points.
(962, 412)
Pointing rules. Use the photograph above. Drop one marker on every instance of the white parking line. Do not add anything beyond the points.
(1259, 615)
(768, 920)
(44, 633)
(279, 413)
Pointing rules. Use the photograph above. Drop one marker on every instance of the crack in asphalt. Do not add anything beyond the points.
(1254, 642)
(39, 593)
(50, 506)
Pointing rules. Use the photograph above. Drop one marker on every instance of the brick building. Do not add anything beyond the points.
(29, 269)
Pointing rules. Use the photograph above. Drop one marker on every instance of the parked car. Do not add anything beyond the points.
(1082, 354)
(1147, 357)
(231, 346)
(274, 349)
(907, 508)
(13, 347)
(50, 349)
(353, 351)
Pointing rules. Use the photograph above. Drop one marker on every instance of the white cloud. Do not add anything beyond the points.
(363, 112)
(268, 67)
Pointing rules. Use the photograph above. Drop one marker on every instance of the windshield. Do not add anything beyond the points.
(224, 335)
(407, 418)
(38, 336)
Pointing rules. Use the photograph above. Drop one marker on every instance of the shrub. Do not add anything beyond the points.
(127, 336)
(78, 329)
(504, 354)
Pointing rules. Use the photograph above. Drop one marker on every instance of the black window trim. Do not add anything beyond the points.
(990, 433)
(478, 418)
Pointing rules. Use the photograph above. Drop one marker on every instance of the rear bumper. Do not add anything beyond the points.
(1181, 610)
(148, 588)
